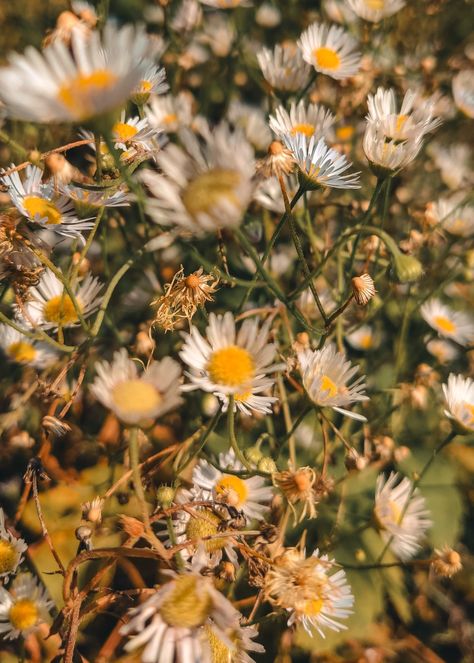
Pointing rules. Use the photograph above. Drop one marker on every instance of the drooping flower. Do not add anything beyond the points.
(331, 50)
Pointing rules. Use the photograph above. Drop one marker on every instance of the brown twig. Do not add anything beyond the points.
(44, 155)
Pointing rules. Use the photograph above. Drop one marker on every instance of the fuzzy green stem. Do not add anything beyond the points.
(231, 433)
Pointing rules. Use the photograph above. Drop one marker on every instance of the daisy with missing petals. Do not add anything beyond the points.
(228, 362)
(226, 4)
(307, 588)
(400, 515)
(23, 608)
(388, 155)
(91, 199)
(459, 396)
(134, 397)
(319, 164)
(331, 50)
(284, 68)
(307, 120)
(11, 550)
(23, 350)
(48, 305)
(375, 10)
(170, 113)
(326, 374)
(60, 85)
(153, 81)
(248, 495)
(463, 91)
(203, 187)
(455, 325)
(40, 204)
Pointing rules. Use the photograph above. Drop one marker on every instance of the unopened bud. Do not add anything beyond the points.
(165, 496)
(267, 465)
(253, 455)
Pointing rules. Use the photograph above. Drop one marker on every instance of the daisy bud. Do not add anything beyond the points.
(92, 511)
(447, 562)
(226, 571)
(407, 268)
(253, 455)
(165, 496)
(84, 536)
(363, 289)
(267, 465)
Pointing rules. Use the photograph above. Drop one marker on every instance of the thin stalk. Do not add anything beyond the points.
(87, 245)
(231, 432)
(373, 200)
(39, 334)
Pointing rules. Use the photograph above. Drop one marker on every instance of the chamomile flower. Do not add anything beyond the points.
(459, 396)
(170, 113)
(375, 10)
(453, 162)
(134, 135)
(202, 187)
(60, 85)
(453, 215)
(248, 495)
(308, 120)
(23, 608)
(23, 350)
(319, 164)
(364, 339)
(153, 81)
(269, 195)
(11, 550)
(385, 154)
(251, 120)
(40, 204)
(309, 590)
(226, 4)
(400, 514)
(331, 50)
(454, 325)
(135, 397)
(48, 305)
(284, 68)
(463, 91)
(326, 374)
(442, 350)
(91, 199)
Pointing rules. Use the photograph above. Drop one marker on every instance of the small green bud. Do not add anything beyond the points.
(165, 496)
(253, 455)
(406, 268)
(266, 465)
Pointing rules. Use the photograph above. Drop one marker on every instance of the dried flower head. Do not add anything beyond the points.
(446, 563)
(279, 161)
(92, 511)
(363, 288)
(298, 488)
(55, 426)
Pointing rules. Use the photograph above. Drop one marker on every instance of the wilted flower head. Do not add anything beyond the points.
(363, 288)
(298, 488)
(446, 562)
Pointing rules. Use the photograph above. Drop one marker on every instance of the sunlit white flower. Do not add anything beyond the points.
(284, 67)
(375, 10)
(170, 113)
(248, 495)
(331, 50)
(310, 590)
(187, 17)
(269, 194)
(401, 515)
(364, 338)
(463, 91)
(135, 138)
(454, 325)
(388, 154)
(252, 122)
(453, 214)
(152, 81)
(60, 85)
(304, 119)
(326, 376)
(48, 305)
(23, 607)
(454, 163)
(23, 350)
(93, 198)
(226, 4)
(444, 351)
(202, 187)
(268, 15)
(11, 550)
(319, 164)
(136, 397)
(459, 396)
(219, 34)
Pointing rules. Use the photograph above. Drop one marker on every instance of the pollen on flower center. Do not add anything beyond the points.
(124, 132)
(306, 129)
(313, 607)
(145, 86)
(8, 556)
(445, 324)
(366, 341)
(328, 386)
(232, 366)
(78, 95)
(205, 523)
(327, 58)
(21, 351)
(23, 614)
(209, 189)
(186, 606)
(375, 4)
(135, 397)
(36, 206)
(232, 490)
(60, 310)
(170, 118)
(344, 133)
(220, 652)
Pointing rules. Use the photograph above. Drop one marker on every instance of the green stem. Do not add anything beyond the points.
(87, 245)
(19, 149)
(98, 158)
(202, 441)
(373, 200)
(39, 334)
(231, 432)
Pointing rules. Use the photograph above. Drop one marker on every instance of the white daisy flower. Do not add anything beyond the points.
(48, 305)
(94, 198)
(331, 50)
(452, 215)
(375, 10)
(268, 15)
(135, 397)
(251, 120)
(284, 68)
(135, 134)
(153, 81)
(187, 17)
(248, 495)
(23, 608)
(319, 164)
(202, 187)
(326, 374)
(307, 588)
(454, 325)
(60, 85)
(444, 351)
(463, 91)
(241, 638)
(23, 350)
(453, 162)
(219, 34)
(228, 362)
(309, 120)
(404, 526)
(459, 396)
(170, 113)
(364, 338)
(11, 550)
(388, 154)
(226, 4)
(41, 204)
(268, 194)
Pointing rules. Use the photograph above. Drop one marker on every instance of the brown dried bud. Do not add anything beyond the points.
(278, 162)
(132, 526)
(363, 288)
(447, 562)
(226, 571)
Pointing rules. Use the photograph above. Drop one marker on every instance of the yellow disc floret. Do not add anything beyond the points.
(231, 366)
(23, 614)
(232, 490)
(124, 132)
(445, 324)
(328, 386)
(22, 352)
(205, 523)
(79, 94)
(306, 129)
(186, 606)
(327, 58)
(136, 398)
(60, 310)
(212, 188)
(8, 557)
(37, 207)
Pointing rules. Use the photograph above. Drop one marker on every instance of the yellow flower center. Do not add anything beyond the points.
(313, 607)
(23, 614)
(79, 95)
(206, 191)
(135, 397)
(366, 341)
(45, 209)
(344, 133)
(228, 4)
(243, 396)
(327, 58)
(60, 310)
(389, 514)
(22, 352)
(375, 4)
(445, 324)
(8, 556)
(220, 652)
(232, 490)
(232, 366)
(205, 524)
(187, 606)
(306, 129)
(170, 118)
(124, 132)
(327, 385)
(145, 86)
(470, 409)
